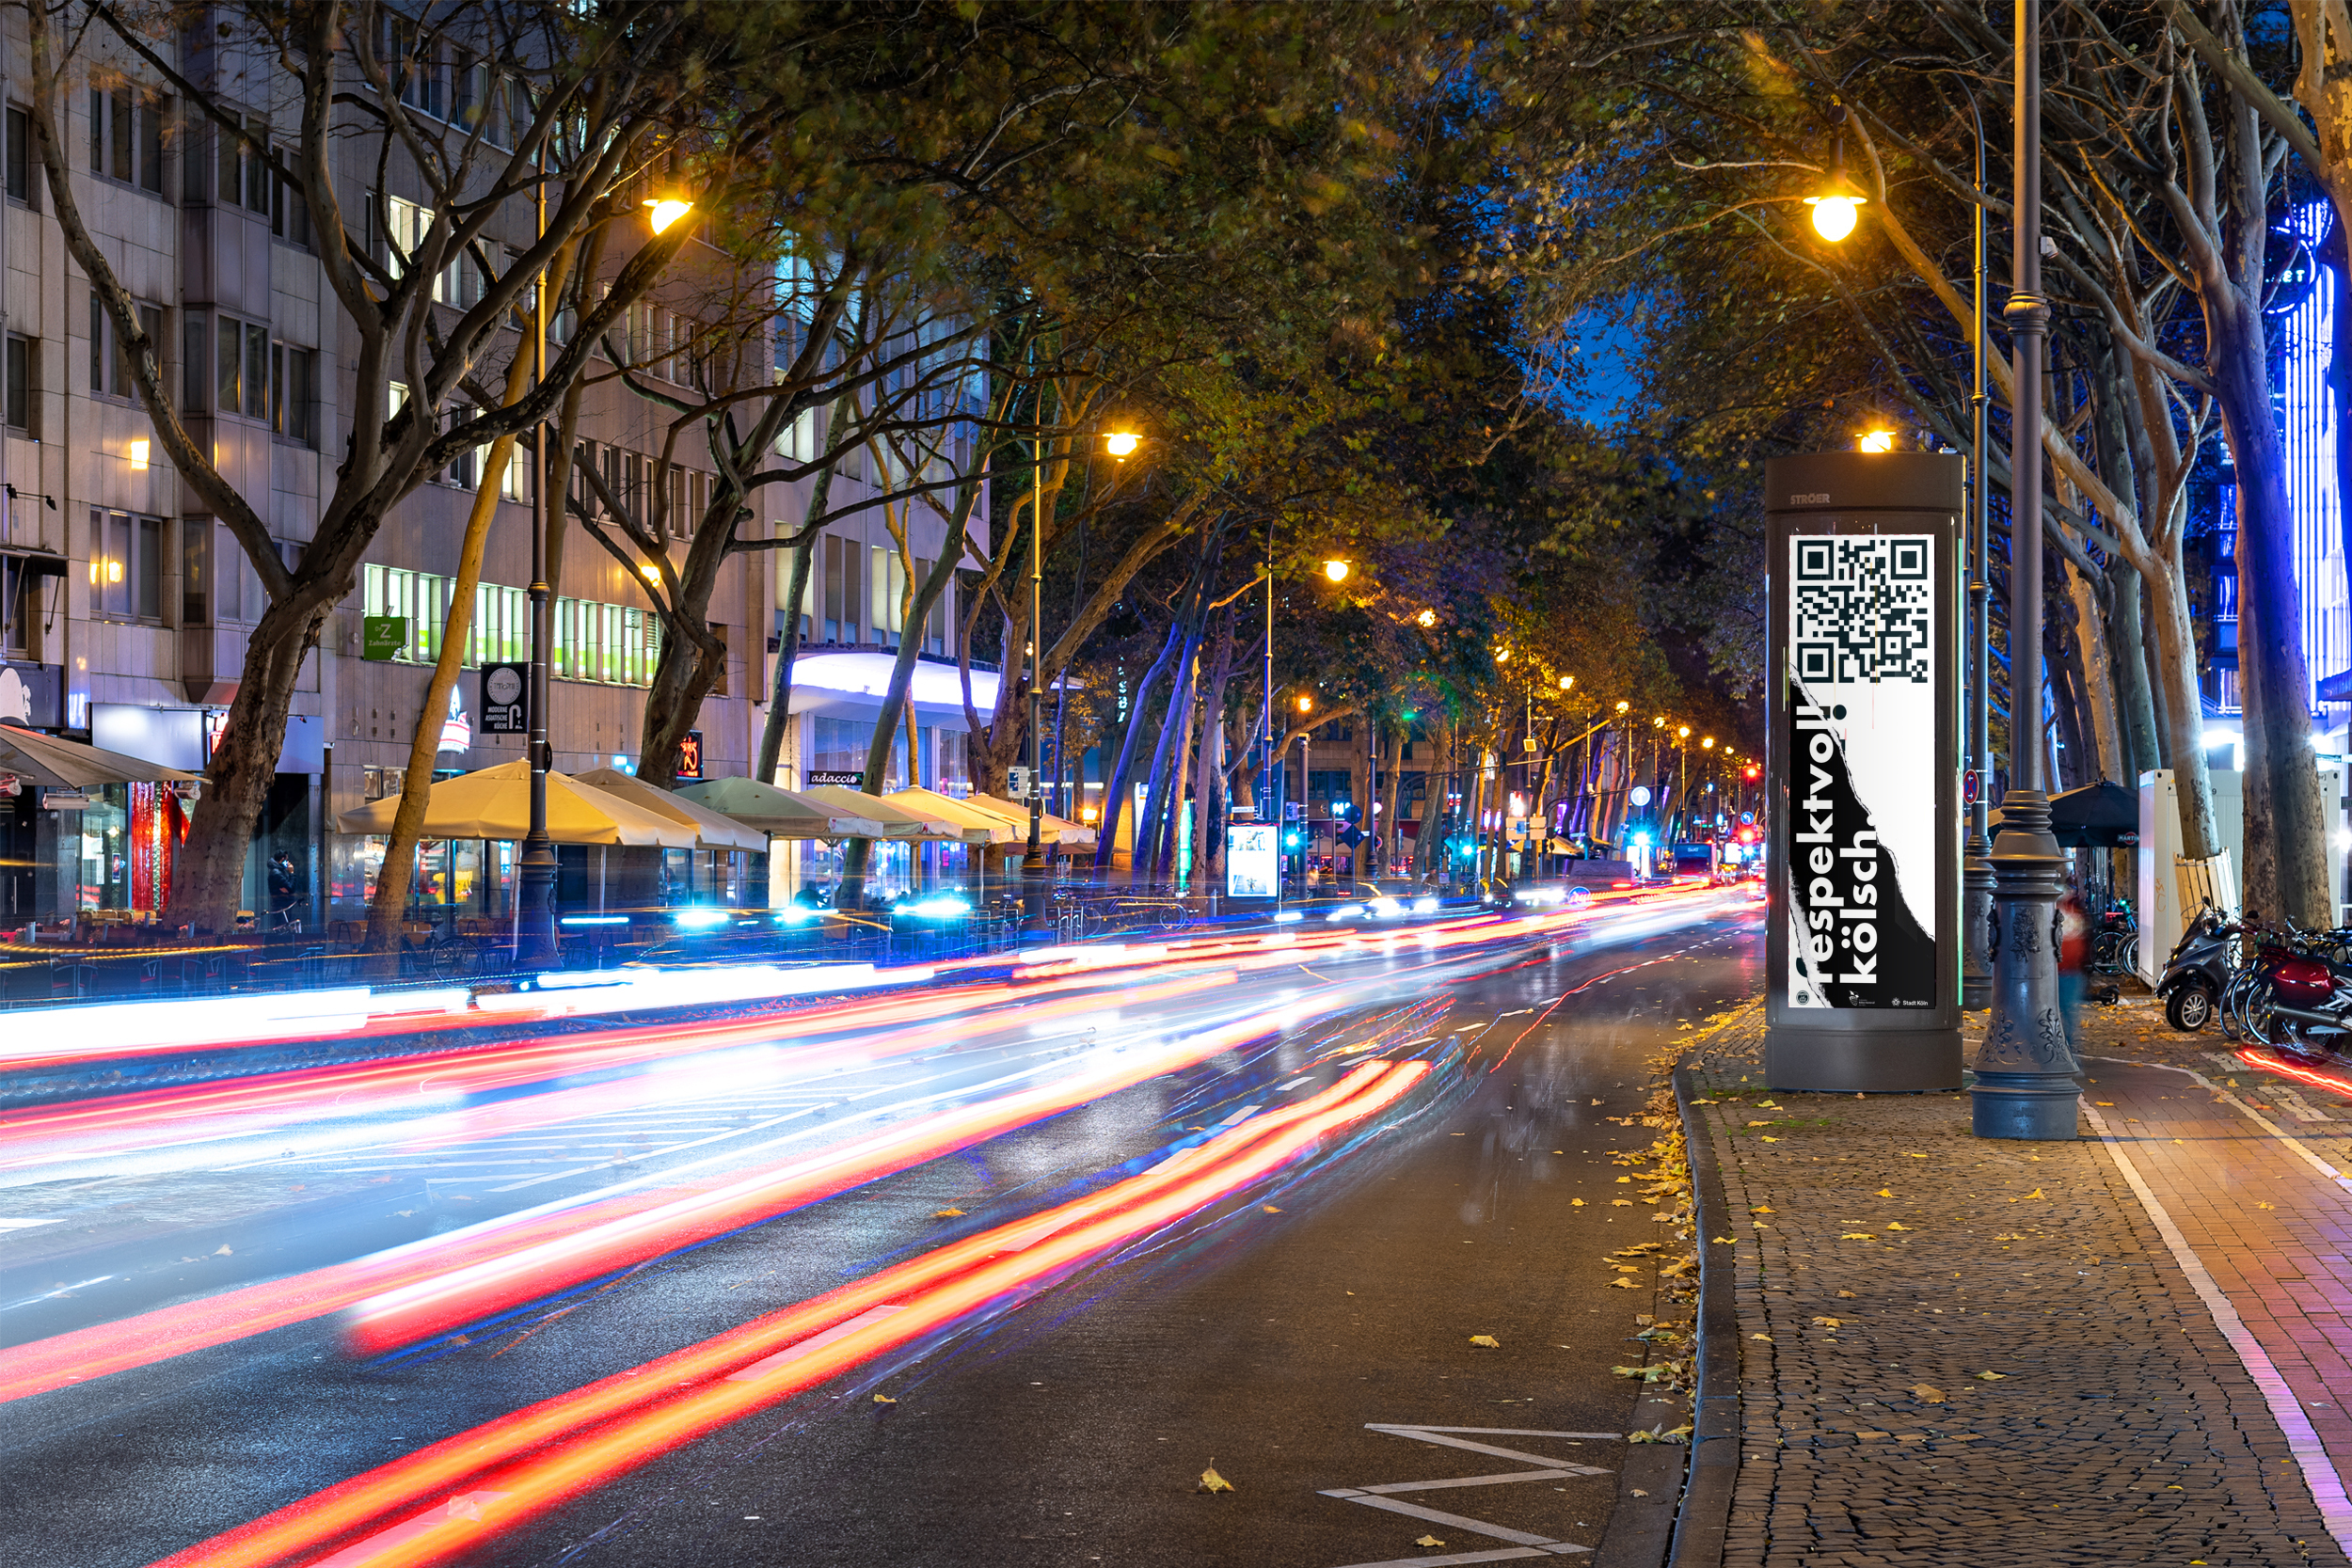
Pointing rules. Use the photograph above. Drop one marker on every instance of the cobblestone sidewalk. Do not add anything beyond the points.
(1957, 1352)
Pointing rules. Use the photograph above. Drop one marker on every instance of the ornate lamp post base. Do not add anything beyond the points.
(2026, 1087)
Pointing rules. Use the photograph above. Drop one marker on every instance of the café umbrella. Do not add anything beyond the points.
(713, 829)
(56, 763)
(779, 813)
(495, 803)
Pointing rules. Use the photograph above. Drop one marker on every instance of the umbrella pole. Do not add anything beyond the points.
(601, 852)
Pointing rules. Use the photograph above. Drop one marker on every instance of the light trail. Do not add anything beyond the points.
(465, 1490)
(412, 1293)
(126, 1123)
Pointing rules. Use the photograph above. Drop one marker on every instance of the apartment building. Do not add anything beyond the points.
(125, 607)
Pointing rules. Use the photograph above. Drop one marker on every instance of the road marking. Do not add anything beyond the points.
(1302, 1078)
(1524, 1544)
(27, 1225)
(1242, 1115)
(2311, 1455)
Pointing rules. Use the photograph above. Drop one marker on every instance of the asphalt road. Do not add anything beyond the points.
(1270, 1332)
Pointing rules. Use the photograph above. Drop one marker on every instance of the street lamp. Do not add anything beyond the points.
(1121, 443)
(661, 212)
(1335, 570)
(2025, 1085)
(1428, 617)
(1877, 440)
(1839, 206)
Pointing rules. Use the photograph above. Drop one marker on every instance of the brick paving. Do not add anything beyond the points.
(1888, 1258)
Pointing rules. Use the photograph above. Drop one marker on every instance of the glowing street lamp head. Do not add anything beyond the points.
(1305, 704)
(661, 212)
(1683, 733)
(1878, 440)
(1567, 683)
(1121, 443)
(1709, 743)
(651, 573)
(1428, 617)
(1622, 706)
(1834, 216)
(1335, 570)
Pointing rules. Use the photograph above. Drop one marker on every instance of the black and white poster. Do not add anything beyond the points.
(1861, 728)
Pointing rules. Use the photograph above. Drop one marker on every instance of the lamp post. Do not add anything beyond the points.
(1976, 872)
(1033, 856)
(2025, 1085)
(535, 870)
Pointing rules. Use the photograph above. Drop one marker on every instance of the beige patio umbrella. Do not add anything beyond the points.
(963, 813)
(60, 764)
(713, 829)
(1051, 828)
(495, 802)
(897, 822)
(780, 812)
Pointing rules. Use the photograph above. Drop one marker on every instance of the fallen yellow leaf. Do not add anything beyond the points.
(1896, 1225)
(1883, 1193)
(1620, 1203)
(1269, 1208)
(2265, 1206)
(1831, 1322)
(1763, 1209)
(1769, 1138)
(1576, 1203)
(1909, 1155)
(1428, 1541)
(2036, 1192)
(1766, 1337)
(1623, 1180)
(1858, 1236)
(1622, 1283)
(884, 1399)
(2109, 1103)
(1486, 1340)
(1210, 1482)
(1990, 1377)
(1928, 1393)
(949, 1215)
(1766, 1105)
(1846, 1295)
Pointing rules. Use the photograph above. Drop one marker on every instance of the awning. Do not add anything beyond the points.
(712, 830)
(779, 813)
(495, 802)
(59, 764)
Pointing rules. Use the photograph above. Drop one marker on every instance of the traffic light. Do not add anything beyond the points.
(1750, 773)
(1292, 840)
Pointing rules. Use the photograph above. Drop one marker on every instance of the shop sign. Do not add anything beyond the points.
(383, 638)
(505, 699)
(690, 755)
(849, 779)
(32, 695)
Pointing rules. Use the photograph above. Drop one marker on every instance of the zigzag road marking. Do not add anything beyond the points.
(1524, 1544)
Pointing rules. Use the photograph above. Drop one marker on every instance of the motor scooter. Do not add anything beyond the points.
(2199, 970)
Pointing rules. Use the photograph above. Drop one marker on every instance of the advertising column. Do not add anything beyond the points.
(1862, 941)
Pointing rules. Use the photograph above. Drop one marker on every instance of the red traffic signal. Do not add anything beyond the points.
(1749, 773)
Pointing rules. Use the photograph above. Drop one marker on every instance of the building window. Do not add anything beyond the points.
(841, 585)
(109, 363)
(24, 369)
(289, 214)
(19, 156)
(244, 368)
(20, 607)
(126, 136)
(126, 565)
(245, 180)
(294, 392)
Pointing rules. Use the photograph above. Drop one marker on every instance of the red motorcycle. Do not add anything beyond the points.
(2299, 993)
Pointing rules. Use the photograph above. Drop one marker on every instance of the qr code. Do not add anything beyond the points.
(1864, 611)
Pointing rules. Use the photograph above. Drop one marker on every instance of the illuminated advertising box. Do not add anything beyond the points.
(1863, 944)
(1249, 863)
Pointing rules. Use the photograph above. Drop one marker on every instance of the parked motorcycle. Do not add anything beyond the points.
(2199, 970)
(2302, 997)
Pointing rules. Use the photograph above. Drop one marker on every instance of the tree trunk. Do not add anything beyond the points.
(208, 879)
(2093, 663)
(386, 910)
(2127, 655)
(2287, 859)
(1144, 857)
(787, 649)
(1208, 839)
(1116, 796)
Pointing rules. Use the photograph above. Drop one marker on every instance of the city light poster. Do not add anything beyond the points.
(1861, 737)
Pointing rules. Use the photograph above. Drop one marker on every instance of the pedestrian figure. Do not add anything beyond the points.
(2074, 954)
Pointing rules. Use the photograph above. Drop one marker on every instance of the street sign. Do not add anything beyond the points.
(1016, 783)
(1639, 795)
(1969, 787)
(383, 637)
(847, 779)
(505, 699)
